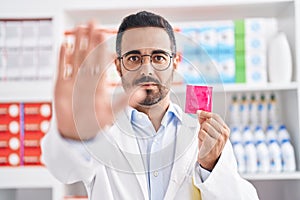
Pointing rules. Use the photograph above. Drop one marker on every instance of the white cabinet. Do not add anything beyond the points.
(110, 14)
(286, 12)
(29, 183)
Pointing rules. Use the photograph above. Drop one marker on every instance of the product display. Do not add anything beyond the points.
(22, 125)
(228, 51)
(263, 152)
(26, 49)
(255, 109)
(261, 142)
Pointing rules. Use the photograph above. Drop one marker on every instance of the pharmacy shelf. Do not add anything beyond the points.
(30, 177)
(26, 91)
(261, 87)
(31, 91)
(273, 176)
(241, 87)
(26, 177)
(198, 10)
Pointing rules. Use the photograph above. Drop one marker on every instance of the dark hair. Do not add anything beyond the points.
(144, 19)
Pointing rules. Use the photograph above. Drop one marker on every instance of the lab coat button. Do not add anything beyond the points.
(155, 173)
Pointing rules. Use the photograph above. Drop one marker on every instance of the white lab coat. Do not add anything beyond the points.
(117, 174)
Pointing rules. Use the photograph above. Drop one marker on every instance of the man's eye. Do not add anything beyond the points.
(133, 58)
(159, 58)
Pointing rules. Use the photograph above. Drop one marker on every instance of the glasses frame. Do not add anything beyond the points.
(171, 55)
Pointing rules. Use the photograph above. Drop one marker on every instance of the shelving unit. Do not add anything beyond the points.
(241, 87)
(29, 182)
(269, 186)
(73, 12)
(26, 91)
(30, 178)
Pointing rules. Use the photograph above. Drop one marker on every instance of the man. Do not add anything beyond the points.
(145, 148)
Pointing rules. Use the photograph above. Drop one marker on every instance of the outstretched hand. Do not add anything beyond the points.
(83, 102)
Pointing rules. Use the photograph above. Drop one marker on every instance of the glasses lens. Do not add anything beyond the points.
(132, 61)
(160, 61)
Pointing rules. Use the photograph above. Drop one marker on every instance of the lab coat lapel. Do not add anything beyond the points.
(185, 153)
(126, 141)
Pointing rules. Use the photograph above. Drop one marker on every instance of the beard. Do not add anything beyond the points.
(153, 95)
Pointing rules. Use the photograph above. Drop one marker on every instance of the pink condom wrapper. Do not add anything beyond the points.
(198, 98)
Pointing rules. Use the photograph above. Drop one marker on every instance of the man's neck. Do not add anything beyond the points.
(156, 112)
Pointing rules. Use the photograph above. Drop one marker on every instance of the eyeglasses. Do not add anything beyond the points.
(160, 60)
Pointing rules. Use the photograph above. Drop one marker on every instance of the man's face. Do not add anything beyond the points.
(140, 43)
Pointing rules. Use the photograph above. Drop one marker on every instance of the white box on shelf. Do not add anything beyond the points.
(262, 27)
(2, 34)
(255, 60)
(207, 35)
(225, 36)
(13, 70)
(2, 64)
(271, 26)
(256, 76)
(45, 64)
(255, 26)
(28, 64)
(45, 33)
(13, 33)
(30, 33)
(226, 67)
(255, 43)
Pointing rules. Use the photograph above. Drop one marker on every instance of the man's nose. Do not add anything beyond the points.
(146, 59)
(146, 68)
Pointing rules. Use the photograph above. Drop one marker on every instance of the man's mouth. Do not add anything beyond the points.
(148, 85)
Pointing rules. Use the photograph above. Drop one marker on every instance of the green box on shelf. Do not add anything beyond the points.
(239, 43)
(240, 75)
(239, 27)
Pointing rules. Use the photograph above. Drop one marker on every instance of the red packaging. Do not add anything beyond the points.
(32, 156)
(9, 157)
(36, 122)
(42, 110)
(10, 111)
(10, 118)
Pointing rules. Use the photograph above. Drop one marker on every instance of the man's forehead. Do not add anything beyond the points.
(145, 38)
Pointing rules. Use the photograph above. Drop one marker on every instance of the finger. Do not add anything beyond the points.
(202, 135)
(207, 145)
(132, 99)
(203, 115)
(78, 54)
(215, 124)
(98, 51)
(96, 36)
(61, 62)
(210, 130)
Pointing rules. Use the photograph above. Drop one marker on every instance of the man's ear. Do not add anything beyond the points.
(176, 61)
(118, 66)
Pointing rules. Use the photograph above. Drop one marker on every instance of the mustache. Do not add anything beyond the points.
(146, 79)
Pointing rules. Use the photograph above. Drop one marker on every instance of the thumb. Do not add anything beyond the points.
(132, 98)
